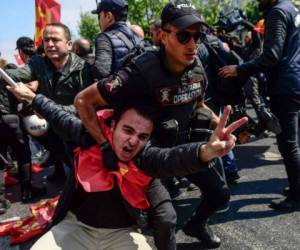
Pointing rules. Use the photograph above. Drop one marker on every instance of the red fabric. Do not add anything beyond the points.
(36, 168)
(18, 59)
(9, 181)
(260, 26)
(31, 226)
(46, 11)
(93, 177)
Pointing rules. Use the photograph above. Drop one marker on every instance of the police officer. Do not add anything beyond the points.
(12, 134)
(280, 61)
(115, 39)
(173, 80)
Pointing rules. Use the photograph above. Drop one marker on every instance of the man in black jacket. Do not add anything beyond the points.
(280, 61)
(115, 40)
(60, 75)
(100, 217)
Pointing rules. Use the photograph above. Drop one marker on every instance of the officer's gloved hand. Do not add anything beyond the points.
(109, 157)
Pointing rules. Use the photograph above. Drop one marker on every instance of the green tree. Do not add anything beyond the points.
(142, 12)
(252, 12)
(88, 26)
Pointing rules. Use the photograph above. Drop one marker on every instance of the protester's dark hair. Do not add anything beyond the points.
(64, 27)
(146, 111)
(119, 18)
(84, 47)
(156, 24)
(29, 51)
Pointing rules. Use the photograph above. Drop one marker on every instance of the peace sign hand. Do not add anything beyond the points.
(222, 140)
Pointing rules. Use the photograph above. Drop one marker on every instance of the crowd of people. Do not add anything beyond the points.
(135, 120)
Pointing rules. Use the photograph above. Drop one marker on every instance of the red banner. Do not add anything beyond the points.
(46, 11)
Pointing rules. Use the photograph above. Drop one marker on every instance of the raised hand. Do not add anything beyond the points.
(222, 140)
(22, 92)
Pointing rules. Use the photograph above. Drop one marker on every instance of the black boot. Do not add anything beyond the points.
(29, 192)
(285, 205)
(203, 232)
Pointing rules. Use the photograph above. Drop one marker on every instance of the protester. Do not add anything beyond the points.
(138, 30)
(83, 48)
(115, 40)
(97, 201)
(25, 47)
(172, 80)
(60, 76)
(280, 60)
(155, 32)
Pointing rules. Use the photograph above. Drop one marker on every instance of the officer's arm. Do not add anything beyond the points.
(23, 74)
(274, 41)
(103, 57)
(86, 102)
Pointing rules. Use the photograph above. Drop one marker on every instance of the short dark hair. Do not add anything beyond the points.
(119, 18)
(156, 24)
(65, 28)
(26, 45)
(84, 46)
(145, 110)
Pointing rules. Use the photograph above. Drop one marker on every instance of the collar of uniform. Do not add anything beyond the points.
(116, 25)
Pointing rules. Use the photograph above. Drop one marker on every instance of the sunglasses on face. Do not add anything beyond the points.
(184, 36)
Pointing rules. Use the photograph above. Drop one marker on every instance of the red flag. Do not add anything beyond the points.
(46, 11)
(18, 59)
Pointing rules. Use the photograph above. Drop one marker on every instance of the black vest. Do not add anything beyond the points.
(175, 96)
(284, 78)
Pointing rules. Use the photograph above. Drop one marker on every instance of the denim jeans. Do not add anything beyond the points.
(287, 111)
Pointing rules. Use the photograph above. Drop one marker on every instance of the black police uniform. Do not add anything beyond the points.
(11, 134)
(176, 97)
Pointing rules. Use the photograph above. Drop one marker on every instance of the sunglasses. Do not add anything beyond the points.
(184, 36)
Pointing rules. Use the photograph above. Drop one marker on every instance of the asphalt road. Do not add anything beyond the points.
(249, 223)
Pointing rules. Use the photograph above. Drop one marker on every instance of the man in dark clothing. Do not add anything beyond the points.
(115, 39)
(173, 80)
(60, 75)
(280, 61)
(100, 209)
(25, 47)
(12, 135)
(83, 48)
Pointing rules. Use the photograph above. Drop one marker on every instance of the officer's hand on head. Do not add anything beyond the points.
(109, 158)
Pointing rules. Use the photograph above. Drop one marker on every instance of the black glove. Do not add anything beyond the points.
(109, 157)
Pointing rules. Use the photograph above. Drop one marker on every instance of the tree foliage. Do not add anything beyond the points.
(142, 12)
(88, 26)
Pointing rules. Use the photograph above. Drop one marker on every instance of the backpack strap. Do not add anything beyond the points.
(129, 44)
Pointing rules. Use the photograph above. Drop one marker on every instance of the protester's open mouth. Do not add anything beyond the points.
(127, 150)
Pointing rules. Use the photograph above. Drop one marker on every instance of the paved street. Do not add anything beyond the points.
(250, 223)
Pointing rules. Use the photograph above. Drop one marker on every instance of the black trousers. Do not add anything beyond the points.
(214, 191)
(287, 111)
(162, 216)
(12, 135)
